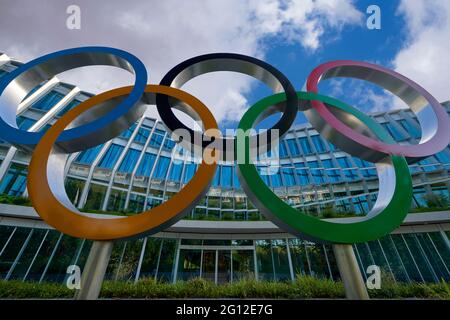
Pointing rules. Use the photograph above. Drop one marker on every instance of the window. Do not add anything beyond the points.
(153, 202)
(48, 101)
(429, 164)
(306, 147)
(263, 174)
(2, 73)
(45, 128)
(276, 179)
(344, 162)
(25, 123)
(15, 180)
(317, 174)
(136, 203)
(175, 172)
(146, 165)
(189, 172)
(300, 259)
(161, 168)
(393, 131)
(331, 146)
(95, 197)
(189, 264)
(72, 104)
(343, 205)
(302, 173)
(318, 144)
(293, 147)
(442, 192)
(333, 174)
(419, 197)
(327, 163)
(142, 135)
(405, 253)
(216, 179)
(110, 158)
(116, 201)
(74, 188)
(288, 175)
(169, 143)
(410, 128)
(360, 204)
(415, 168)
(443, 157)
(225, 180)
(127, 133)
(283, 150)
(272, 260)
(88, 156)
(129, 161)
(157, 138)
(367, 173)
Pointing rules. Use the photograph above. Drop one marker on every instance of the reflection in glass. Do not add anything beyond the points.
(243, 264)
(189, 264)
(209, 265)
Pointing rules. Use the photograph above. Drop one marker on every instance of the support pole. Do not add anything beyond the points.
(355, 288)
(94, 271)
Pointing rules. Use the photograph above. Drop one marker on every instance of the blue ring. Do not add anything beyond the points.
(21, 137)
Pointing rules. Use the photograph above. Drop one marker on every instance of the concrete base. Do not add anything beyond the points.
(351, 276)
(94, 270)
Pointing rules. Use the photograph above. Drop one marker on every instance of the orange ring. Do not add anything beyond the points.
(53, 212)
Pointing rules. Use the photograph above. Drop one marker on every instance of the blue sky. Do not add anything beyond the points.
(354, 42)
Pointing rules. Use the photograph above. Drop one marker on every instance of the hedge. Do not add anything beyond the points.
(304, 287)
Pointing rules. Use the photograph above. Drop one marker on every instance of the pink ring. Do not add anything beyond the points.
(433, 118)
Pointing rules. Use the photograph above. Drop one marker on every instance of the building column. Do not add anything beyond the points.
(351, 276)
(94, 270)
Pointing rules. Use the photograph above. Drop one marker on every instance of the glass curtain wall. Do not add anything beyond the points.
(44, 255)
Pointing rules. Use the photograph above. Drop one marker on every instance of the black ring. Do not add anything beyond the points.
(256, 68)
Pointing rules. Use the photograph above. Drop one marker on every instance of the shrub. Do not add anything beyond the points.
(23, 290)
(328, 212)
(20, 201)
(304, 287)
(254, 216)
(310, 287)
(227, 216)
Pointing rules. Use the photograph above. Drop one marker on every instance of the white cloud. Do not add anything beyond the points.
(304, 22)
(425, 57)
(163, 33)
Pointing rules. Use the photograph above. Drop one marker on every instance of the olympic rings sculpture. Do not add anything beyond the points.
(104, 116)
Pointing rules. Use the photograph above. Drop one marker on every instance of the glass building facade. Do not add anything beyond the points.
(137, 171)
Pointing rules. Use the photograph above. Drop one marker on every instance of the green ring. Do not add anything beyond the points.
(305, 226)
